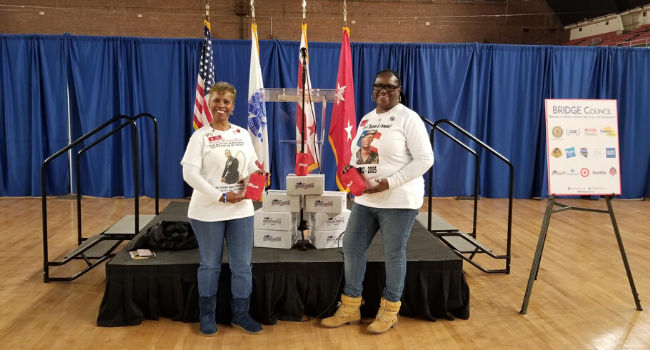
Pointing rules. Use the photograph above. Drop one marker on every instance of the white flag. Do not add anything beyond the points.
(256, 108)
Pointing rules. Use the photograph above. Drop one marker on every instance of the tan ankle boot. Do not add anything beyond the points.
(386, 317)
(348, 312)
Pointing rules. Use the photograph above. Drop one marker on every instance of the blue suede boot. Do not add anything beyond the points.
(207, 309)
(240, 317)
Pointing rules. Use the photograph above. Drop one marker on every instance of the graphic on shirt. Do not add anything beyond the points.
(231, 170)
(367, 153)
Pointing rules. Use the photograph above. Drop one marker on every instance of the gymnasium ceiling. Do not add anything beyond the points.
(573, 11)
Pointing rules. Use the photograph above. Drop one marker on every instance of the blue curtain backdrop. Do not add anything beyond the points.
(496, 92)
(33, 114)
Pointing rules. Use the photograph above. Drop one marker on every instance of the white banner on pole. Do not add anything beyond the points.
(583, 154)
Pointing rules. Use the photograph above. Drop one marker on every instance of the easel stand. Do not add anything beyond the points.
(534, 270)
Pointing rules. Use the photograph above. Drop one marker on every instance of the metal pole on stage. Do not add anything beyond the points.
(302, 225)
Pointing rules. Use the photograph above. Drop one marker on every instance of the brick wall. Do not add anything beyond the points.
(450, 21)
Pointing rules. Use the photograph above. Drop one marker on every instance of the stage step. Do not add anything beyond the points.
(125, 225)
(121, 228)
(438, 224)
(98, 250)
(461, 244)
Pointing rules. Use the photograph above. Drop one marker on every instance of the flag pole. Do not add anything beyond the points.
(302, 225)
(304, 77)
(207, 14)
(253, 10)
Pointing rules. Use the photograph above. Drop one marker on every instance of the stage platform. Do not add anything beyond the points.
(287, 284)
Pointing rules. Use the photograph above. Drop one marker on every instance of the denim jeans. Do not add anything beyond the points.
(238, 234)
(395, 226)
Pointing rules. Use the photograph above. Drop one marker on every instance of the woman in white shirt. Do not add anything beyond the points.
(401, 153)
(218, 209)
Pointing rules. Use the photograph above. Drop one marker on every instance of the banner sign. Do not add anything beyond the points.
(583, 154)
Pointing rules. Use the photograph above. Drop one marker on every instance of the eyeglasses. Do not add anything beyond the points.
(387, 87)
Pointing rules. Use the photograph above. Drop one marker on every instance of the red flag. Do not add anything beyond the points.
(309, 161)
(343, 124)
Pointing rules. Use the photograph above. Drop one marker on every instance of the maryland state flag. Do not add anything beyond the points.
(343, 124)
(310, 159)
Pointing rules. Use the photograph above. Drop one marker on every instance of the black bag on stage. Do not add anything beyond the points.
(173, 235)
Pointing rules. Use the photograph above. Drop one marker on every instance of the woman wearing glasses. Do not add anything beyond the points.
(395, 190)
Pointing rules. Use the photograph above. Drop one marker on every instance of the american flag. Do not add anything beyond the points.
(205, 81)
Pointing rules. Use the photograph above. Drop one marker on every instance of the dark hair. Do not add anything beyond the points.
(402, 96)
(222, 87)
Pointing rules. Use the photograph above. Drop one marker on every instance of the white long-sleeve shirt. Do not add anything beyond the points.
(204, 163)
(399, 151)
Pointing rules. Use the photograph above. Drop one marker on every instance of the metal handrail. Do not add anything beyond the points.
(436, 126)
(156, 177)
(46, 262)
(155, 140)
(78, 178)
(476, 175)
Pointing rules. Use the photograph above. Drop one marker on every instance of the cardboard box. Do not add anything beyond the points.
(327, 221)
(326, 239)
(332, 202)
(277, 221)
(275, 239)
(310, 184)
(279, 201)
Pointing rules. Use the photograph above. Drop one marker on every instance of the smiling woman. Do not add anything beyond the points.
(218, 210)
(393, 152)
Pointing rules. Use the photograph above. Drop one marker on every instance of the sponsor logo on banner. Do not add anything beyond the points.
(596, 153)
(572, 172)
(610, 152)
(583, 152)
(599, 172)
(608, 131)
(557, 173)
(557, 132)
(280, 203)
(557, 152)
(584, 172)
(573, 132)
(269, 238)
(591, 132)
(612, 171)
(570, 152)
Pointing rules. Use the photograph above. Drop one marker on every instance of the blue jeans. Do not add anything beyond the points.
(238, 234)
(395, 226)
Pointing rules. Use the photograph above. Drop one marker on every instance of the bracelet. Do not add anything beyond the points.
(224, 198)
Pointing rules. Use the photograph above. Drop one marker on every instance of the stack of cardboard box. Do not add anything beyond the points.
(326, 214)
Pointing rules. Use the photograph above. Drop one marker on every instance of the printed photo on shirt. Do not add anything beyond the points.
(368, 153)
(231, 171)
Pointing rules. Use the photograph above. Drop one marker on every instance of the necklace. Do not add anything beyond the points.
(213, 129)
(385, 114)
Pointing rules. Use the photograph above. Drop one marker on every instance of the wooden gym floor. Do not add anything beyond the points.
(582, 299)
